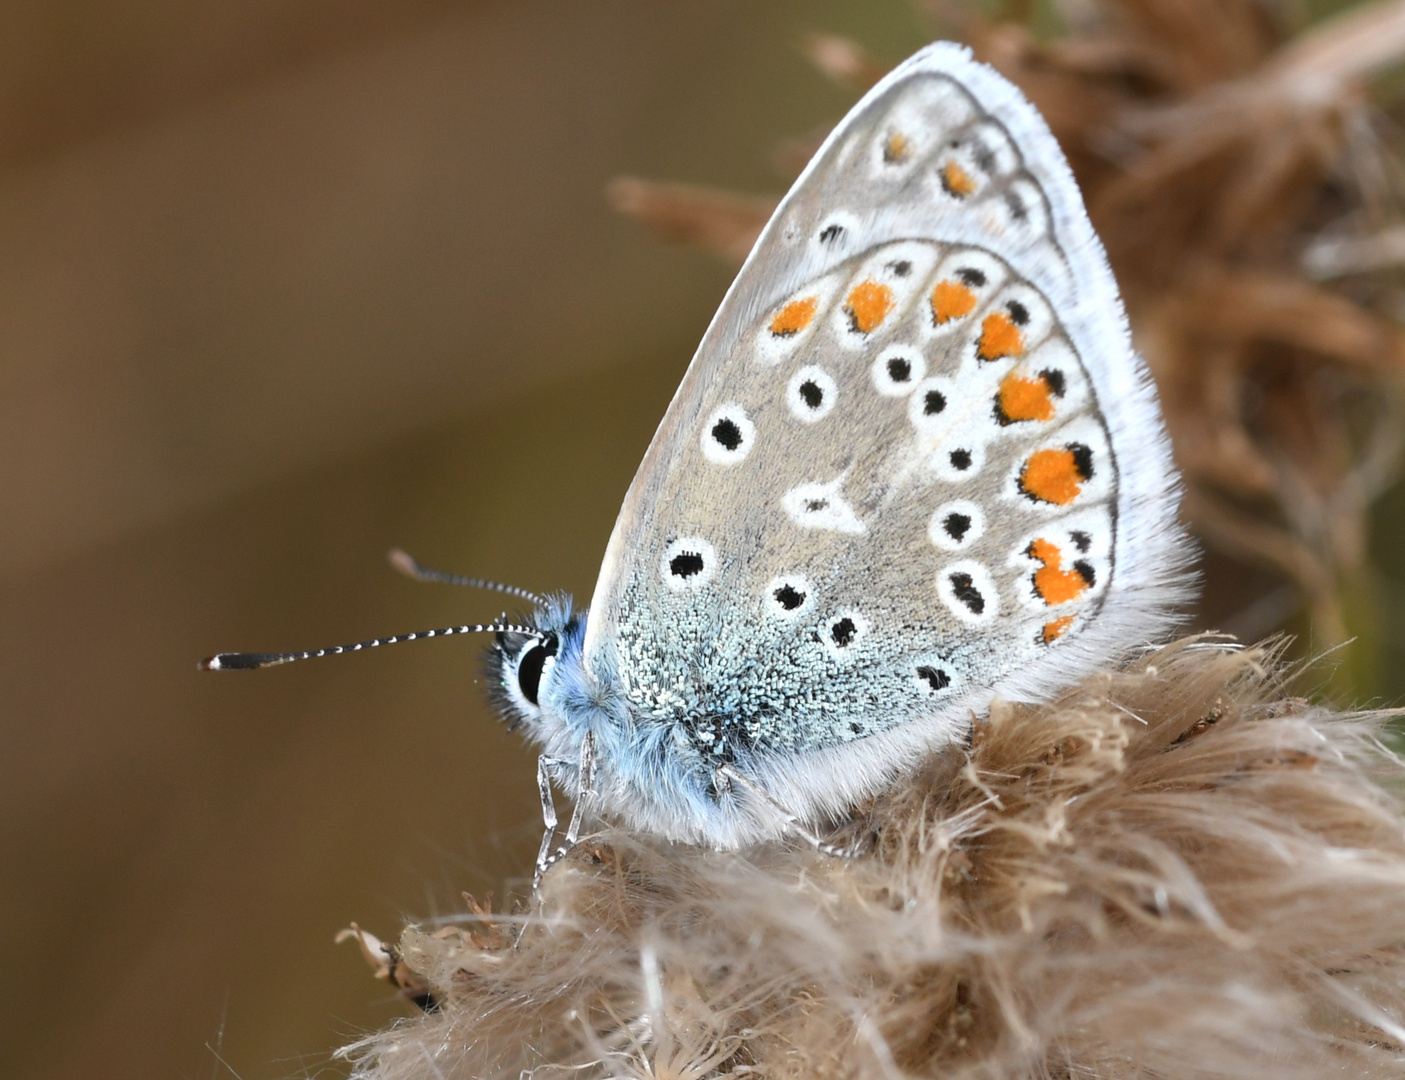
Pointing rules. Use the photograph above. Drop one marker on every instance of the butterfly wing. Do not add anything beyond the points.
(914, 463)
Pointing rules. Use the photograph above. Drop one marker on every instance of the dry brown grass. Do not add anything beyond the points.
(1173, 872)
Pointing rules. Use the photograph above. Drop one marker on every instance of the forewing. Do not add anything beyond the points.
(914, 460)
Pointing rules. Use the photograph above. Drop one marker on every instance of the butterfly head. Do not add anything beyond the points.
(530, 671)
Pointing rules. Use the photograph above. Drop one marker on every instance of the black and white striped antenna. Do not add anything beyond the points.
(410, 567)
(248, 661)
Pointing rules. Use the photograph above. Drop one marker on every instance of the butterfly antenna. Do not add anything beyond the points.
(408, 565)
(246, 661)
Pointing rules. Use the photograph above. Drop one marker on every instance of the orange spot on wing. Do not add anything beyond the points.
(1025, 399)
(956, 180)
(794, 317)
(951, 300)
(895, 148)
(1056, 628)
(1056, 475)
(1053, 584)
(1000, 337)
(868, 305)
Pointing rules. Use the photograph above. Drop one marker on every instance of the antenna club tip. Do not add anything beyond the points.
(238, 661)
(403, 561)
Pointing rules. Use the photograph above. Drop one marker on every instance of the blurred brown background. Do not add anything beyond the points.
(283, 286)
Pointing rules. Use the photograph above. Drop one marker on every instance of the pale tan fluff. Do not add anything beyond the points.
(1174, 871)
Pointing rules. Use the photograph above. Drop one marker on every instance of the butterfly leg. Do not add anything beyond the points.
(548, 817)
(585, 788)
(729, 775)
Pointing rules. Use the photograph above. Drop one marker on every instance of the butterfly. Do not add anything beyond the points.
(913, 466)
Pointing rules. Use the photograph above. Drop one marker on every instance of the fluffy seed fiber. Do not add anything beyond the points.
(1173, 872)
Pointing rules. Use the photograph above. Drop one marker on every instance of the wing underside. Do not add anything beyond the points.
(914, 460)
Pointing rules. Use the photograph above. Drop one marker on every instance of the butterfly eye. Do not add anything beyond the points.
(531, 664)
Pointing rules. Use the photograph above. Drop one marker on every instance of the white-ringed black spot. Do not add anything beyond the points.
(1017, 207)
(955, 526)
(900, 268)
(1019, 314)
(1054, 380)
(960, 459)
(814, 506)
(971, 277)
(897, 370)
(686, 564)
(928, 405)
(1081, 540)
(788, 596)
(1085, 571)
(963, 587)
(811, 394)
(726, 433)
(934, 677)
(969, 592)
(843, 631)
(830, 233)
